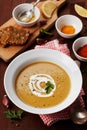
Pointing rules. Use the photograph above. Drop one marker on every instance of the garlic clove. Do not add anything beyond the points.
(5, 101)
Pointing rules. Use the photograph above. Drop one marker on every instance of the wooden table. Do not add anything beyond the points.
(32, 121)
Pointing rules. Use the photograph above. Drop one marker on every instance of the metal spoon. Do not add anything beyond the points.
(78, 114)
(27, 15)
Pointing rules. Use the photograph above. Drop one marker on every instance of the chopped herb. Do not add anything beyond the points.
(48, 90)
(12, 114)
(49, 87)
(45, 32)
(49, 84)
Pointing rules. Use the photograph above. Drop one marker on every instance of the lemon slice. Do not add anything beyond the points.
(80, 10)
(48, 8)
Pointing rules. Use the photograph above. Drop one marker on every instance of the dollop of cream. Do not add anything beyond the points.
(36, 87)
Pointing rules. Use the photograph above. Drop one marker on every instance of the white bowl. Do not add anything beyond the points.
(68, 20)
(48, 55)
(25, 7)
(78, 43)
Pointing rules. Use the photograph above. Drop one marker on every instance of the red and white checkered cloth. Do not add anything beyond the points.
(54, 44)
(50, 119)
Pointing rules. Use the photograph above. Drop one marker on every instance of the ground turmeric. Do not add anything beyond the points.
(68, 29)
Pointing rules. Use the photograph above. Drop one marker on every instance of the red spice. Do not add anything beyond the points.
(83, 51)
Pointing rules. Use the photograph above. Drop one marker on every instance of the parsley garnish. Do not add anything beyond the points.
(12, 114)
(49, 87)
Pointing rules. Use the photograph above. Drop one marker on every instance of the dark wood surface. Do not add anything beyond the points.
(32, 121)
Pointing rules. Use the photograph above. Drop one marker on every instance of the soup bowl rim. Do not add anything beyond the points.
(47, 55)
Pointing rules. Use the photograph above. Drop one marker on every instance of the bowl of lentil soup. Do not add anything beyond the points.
(40, 78)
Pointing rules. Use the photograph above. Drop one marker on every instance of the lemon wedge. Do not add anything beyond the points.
(80, 10)
(48, 8)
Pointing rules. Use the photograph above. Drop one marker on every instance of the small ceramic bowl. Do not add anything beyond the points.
(68, 20)
(25, 7)
(78, 43)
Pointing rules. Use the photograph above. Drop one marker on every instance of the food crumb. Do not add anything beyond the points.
(17, 124)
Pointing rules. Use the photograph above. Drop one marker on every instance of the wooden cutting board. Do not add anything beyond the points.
(10, 52)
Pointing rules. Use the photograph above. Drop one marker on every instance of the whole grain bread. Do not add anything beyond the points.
(13, 36)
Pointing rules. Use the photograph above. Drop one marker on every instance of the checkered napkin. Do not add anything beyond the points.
(54, 44)
(50, 119)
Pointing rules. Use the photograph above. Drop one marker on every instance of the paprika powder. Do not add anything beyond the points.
(82, 51)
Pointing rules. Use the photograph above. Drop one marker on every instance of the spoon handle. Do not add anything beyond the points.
(36, 3)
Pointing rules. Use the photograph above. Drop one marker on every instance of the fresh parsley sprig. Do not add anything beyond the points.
(49, 87)
(12, 114)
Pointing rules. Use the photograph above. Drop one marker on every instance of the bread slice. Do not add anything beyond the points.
(13, 36)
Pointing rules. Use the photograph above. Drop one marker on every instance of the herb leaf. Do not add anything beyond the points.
(45, 32)
(49, 87)
(12, 114)
(48, 90)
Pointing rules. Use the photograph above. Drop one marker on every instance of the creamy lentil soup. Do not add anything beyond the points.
(42, 84)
